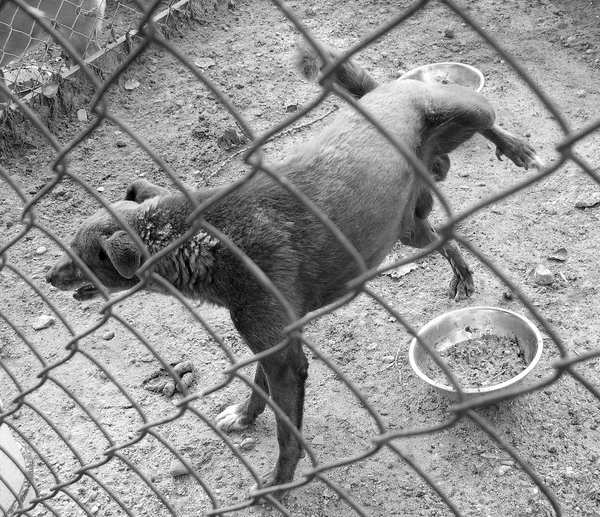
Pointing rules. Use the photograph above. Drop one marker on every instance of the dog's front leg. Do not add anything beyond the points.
(240, 416)
(281, 375)
(422, 235)
(286, 374)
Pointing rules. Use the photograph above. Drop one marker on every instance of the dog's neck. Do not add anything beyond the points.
(187, 266)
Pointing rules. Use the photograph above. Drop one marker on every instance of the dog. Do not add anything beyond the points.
(356, 177)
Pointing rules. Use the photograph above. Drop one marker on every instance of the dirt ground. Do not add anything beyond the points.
(245, 49)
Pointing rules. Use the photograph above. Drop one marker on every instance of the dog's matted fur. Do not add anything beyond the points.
(353, 174)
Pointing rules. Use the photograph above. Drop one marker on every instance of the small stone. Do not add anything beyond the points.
(543, 276)
(588, 200)
(188, 379)
(318, 440)
(328, 493)
(178, 468)
(169, 388)
(183, 367)
(107, 336)
(43, 322)
(204, 62)
(156, 385)
(41, 250)
(559, 255)
(503, 469)
(229, 139)
(121, 143)
(448, 34)
(247, 444)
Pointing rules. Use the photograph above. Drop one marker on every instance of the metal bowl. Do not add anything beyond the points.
(453, 327)
(448, 73)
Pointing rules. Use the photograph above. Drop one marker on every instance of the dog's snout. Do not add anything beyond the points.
(63, 274)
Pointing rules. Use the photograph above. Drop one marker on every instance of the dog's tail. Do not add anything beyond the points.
(348, 75)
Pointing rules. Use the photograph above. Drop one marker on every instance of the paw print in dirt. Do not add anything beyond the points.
(162, 382)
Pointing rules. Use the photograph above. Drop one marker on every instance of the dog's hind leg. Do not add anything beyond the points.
(455, 114)
(513, 147)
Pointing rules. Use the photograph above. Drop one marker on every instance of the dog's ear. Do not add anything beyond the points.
(123, 253)
(142, 189)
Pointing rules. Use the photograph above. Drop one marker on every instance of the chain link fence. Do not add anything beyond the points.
(33, 62)
(107, 450)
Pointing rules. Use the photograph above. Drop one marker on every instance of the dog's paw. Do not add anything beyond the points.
(267, 481)
(232, 419)
(461, 287)
(518, 150)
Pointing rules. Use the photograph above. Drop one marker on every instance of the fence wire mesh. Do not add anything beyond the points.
(89, 28)
(108, 450)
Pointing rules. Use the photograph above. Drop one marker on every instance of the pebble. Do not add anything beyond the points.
(543, 276)
(247, 444)
(503, 469)
(107, 336)
(121, 143)
(188, 379)
(43, 322)
(559, 255)
(328, 493)
(183, 367)
(177, 468)
(318, 440)
(588, 200)
(169, 388)
(41, 250)
(205, 62)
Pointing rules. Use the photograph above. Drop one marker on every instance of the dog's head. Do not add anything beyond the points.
(105, 247)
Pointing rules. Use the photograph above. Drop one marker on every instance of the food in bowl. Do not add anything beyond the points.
(481, 361)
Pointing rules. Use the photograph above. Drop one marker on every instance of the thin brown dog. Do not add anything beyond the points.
(353, 174)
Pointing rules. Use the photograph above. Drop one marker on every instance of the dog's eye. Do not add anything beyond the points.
(102, 255)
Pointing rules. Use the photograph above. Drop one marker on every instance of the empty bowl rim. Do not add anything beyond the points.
(486, 389)
(478, 72)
